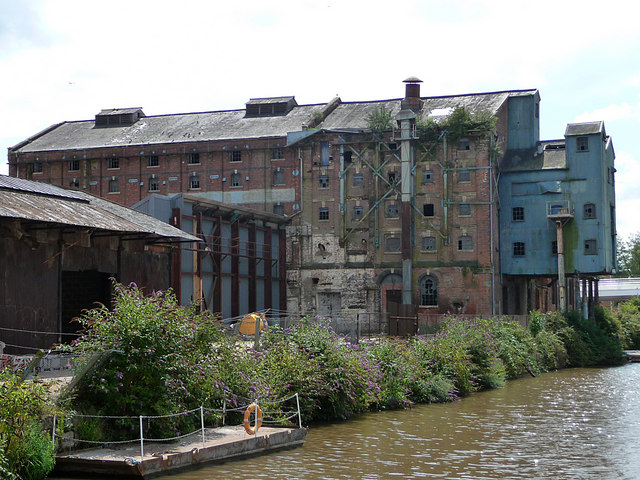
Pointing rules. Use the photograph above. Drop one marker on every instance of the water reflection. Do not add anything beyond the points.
(577, 424)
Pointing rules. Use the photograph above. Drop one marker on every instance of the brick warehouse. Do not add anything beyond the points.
(389, 207)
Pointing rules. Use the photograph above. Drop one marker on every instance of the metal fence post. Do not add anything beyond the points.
(299, 416)
(141, 441)
(53, 432)
(202, 423)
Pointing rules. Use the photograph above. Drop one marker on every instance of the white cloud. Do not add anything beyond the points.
(611, 113)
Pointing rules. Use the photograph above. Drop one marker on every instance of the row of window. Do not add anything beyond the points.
(588, 212)
(590, 248)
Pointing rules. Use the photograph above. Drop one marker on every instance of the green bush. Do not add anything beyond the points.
(626, 316)
(26, 450)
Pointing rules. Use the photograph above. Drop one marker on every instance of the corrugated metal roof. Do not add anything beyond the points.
(234, 125)
(37, 202)
(585, 128)
(119, 111)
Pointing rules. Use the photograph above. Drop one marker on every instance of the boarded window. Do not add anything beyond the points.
(427, 176)
(392, 210)
(589, 210)
(427, 209)
(392, 243)
(590, 247)
(428, 244)
(464, 209)
(358, 179)
(358, 213)
(464, 175)
(465, 243)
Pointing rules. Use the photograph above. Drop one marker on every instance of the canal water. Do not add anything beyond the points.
(572, 424)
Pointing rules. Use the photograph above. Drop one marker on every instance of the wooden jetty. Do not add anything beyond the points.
(219, 445)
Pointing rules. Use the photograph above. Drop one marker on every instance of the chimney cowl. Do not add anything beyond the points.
(412, 94)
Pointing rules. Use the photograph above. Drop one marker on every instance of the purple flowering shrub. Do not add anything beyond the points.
(158, 361)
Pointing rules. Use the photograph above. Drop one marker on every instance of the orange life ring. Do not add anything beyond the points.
(247, 416)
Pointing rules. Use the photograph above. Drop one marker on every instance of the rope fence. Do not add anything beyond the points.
(142, 423)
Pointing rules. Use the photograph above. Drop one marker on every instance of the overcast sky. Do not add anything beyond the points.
(67, 59)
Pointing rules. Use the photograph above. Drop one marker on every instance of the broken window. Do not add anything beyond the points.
(278, 209)
(427, 210)
(590, 247)
(554, 248)
(427, 176)
(193, 158)
(428, 244)
(589, 210)
(464, 144)
(428, 290)
(392, 210)
(465, 243)
(323, 213)
(582, 144)
(323, 181)
(194, 182)
(153, 184)
(277, 154)
(235, 179)
(393, 178)
(358, 213)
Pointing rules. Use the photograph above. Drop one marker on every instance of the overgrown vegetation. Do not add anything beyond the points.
(26, 449)
(380, 120)
(163, 358)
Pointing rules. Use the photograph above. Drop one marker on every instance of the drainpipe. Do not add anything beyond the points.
(562, 294)
(493, 269)
(343, 227)
(446, 188)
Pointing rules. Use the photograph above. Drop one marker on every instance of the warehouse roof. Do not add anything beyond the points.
(236, 125)
(39, 202)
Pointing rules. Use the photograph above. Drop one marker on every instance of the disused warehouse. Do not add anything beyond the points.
(391, 206)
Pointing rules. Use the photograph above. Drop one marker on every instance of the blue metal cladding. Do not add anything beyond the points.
(585, 182)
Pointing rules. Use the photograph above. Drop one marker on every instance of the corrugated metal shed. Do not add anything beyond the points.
(234, 125)
(38, 202)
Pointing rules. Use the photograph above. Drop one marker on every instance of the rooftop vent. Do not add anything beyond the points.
(269, 107)
(118, 117)
(412, 94)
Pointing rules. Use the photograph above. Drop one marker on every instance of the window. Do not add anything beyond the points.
(278, 176)
(518, 249)
(113, 163)
(392, 243)
(427, 176)
(428, 244)
(554, 247)
(152, 161)
(428, 290)
(464, 209)
(358, 213)
(194, 182)
(153, 184)
(582, 144)
(235, 179)
(589, 210)
(464, 175)
(37, 167)
(465, 242)
(235, 156)
(348, 156)
(323, 213)
(427, 209)
(392, 210)
(277, 154)
(464, 144)
(590, 247)
(113, 185)
(278, 209)
(193, 158)
(324, 154)
(74, 165)
(74, 184)
(323, 181)
(517, 214)
(358, 180)
(393, 178)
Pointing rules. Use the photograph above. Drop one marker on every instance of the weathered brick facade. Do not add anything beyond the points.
(360, 236)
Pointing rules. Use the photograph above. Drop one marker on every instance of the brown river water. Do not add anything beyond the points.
(572, 424)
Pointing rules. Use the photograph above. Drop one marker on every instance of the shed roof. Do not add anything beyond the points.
(234, 125)
(38, 202)
(585, 128)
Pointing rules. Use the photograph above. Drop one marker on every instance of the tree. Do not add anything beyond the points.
(629, 256)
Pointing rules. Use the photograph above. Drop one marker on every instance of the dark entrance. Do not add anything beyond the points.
(81, 291)
(402, 318)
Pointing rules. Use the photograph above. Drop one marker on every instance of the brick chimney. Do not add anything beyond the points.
(412, 94)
